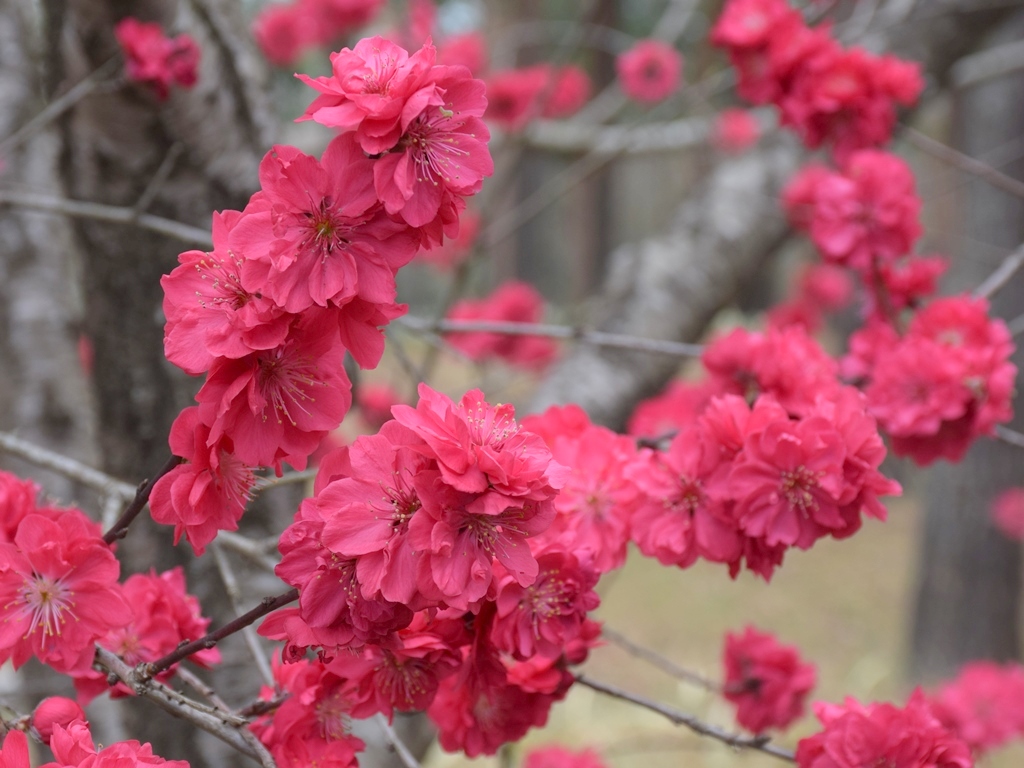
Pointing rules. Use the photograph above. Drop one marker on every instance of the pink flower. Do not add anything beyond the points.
(54, 711)
(650, 71)
(677, 405)
(14, 752)
(543, 617)
(208, 492)
(869, 214)
(568, 90)
(156, 60)
(855, 735)
(595, 506)
(441, 156)
(165, 616)
(512, 301)
(316, 234)
(559, 757)
(736, 130)
(278, 405)
(376, 89)
(283, 32)
(17, 499)
(55, 570)
(767, 681)
(1008, 513)
(209, 312)
(678, 518)
(468, 50)
(513, 96)
(983, 705)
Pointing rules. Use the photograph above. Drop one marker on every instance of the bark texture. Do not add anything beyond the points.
(969, 574)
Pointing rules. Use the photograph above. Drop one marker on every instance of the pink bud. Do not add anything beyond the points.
(55, 710)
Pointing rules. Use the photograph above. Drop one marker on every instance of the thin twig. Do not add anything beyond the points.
(661, 662)
(118, 215)
(225, 726)
(597, 338)
(158, 180)
(209, 640)
(1011, 436)
(227, 575)
(964, 162)
(760, 743)
(408, 758)
(60, 105)
(63, 465)
(1002, 275)
(255, 551)
(120, 528)
(265, 483)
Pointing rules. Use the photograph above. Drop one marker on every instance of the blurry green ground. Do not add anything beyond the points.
(845, 603)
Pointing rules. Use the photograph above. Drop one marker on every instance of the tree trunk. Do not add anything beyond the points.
(969, 574)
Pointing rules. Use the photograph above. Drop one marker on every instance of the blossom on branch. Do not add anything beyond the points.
(155, 60)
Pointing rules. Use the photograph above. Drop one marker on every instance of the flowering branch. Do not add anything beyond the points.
(209, 640)
(596, 338)
(224, 725)
(1006, 270)
(760, 743)
(112, 213)
(120, 528)
(657, 660)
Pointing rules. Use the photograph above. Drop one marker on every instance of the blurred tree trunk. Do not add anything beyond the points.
(195, 153)
(969, 574)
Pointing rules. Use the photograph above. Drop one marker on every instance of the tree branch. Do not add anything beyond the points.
(209, 640)
(120, 528)
(61, 464)
(760, 743)
(116, 214)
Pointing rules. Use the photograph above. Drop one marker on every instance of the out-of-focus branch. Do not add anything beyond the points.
(596, 338)
(657, 660)
(1002, 275)
(224, 725)
(57, 462)
(964, 162)
(993, 63)
(760, 743)
(110, 213)
(227, 576)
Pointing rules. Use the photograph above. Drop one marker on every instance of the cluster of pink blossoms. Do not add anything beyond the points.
(60, 595)
(517, 96)
(944, 382)
(424, 582)
(307, 272)
(983, 705)
(284, 31)
(512, 301)
(770, 452)
(766, 680)
(61, 724)
(155, 60)
(855, 735)
(844, 98)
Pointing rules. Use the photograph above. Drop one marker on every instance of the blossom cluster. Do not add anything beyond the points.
(62, 726)
(767, 681)
(517, 96)
(944, 382)
(424, 582)
(855, 735)
(983, 705)
(60, 595)
(306, 272)
(284, 31)
(155, 60)
(842, 98)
